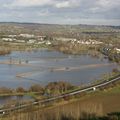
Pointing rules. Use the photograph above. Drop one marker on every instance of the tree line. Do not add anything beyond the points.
(52, 88)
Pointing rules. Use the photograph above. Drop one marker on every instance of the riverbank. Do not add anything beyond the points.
(97, 104)
(11, 46)
(64, 47)
(4, 51)
(38, 93)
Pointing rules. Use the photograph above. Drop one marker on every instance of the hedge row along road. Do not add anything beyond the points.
(45, 101)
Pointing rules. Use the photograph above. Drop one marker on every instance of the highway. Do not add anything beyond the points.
(93, 88)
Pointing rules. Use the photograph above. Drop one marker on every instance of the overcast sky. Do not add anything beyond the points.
(106, 12)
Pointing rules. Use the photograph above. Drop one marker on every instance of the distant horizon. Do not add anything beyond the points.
(56, 23)
(71, 12)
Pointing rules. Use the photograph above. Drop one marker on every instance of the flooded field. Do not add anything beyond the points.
(7, 99)
(43, 66)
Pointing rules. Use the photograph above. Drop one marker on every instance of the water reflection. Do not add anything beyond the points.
(7, 99)
(45, 66)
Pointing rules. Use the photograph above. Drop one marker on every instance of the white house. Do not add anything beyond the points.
(27, 35)
(7, 39)
(118, 50)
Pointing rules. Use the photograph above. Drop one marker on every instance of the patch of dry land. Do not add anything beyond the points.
(102, 102)
(97, 103)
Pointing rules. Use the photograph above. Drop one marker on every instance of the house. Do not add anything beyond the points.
(12, 36)
(31, 41)
(65, 39)
(48, 43)
(42, 42)
(117, 49)
(21, 41)
(41, 38)
(27, 35)
(8, 39)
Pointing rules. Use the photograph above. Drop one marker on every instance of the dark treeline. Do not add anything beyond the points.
(5, 52)
(53, 88)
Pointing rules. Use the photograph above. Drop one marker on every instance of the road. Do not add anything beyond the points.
(93, 88)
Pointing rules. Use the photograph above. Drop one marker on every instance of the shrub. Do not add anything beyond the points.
(36, 88)
(4, 90)
(20, 90)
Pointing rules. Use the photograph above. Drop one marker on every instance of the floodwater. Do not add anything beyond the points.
(44, 66)
(7, 99)
(22, 69)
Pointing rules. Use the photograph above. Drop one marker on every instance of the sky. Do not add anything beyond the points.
(97, 12)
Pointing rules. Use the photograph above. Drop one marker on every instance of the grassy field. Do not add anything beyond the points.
(109, 100)
(93, 104)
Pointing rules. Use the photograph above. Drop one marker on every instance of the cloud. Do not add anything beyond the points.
(104, 8)
(30, 3)
(107, 4)
(43, 13)
(68, 4)
(63, 4)
(33, 3)
(51, 11)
